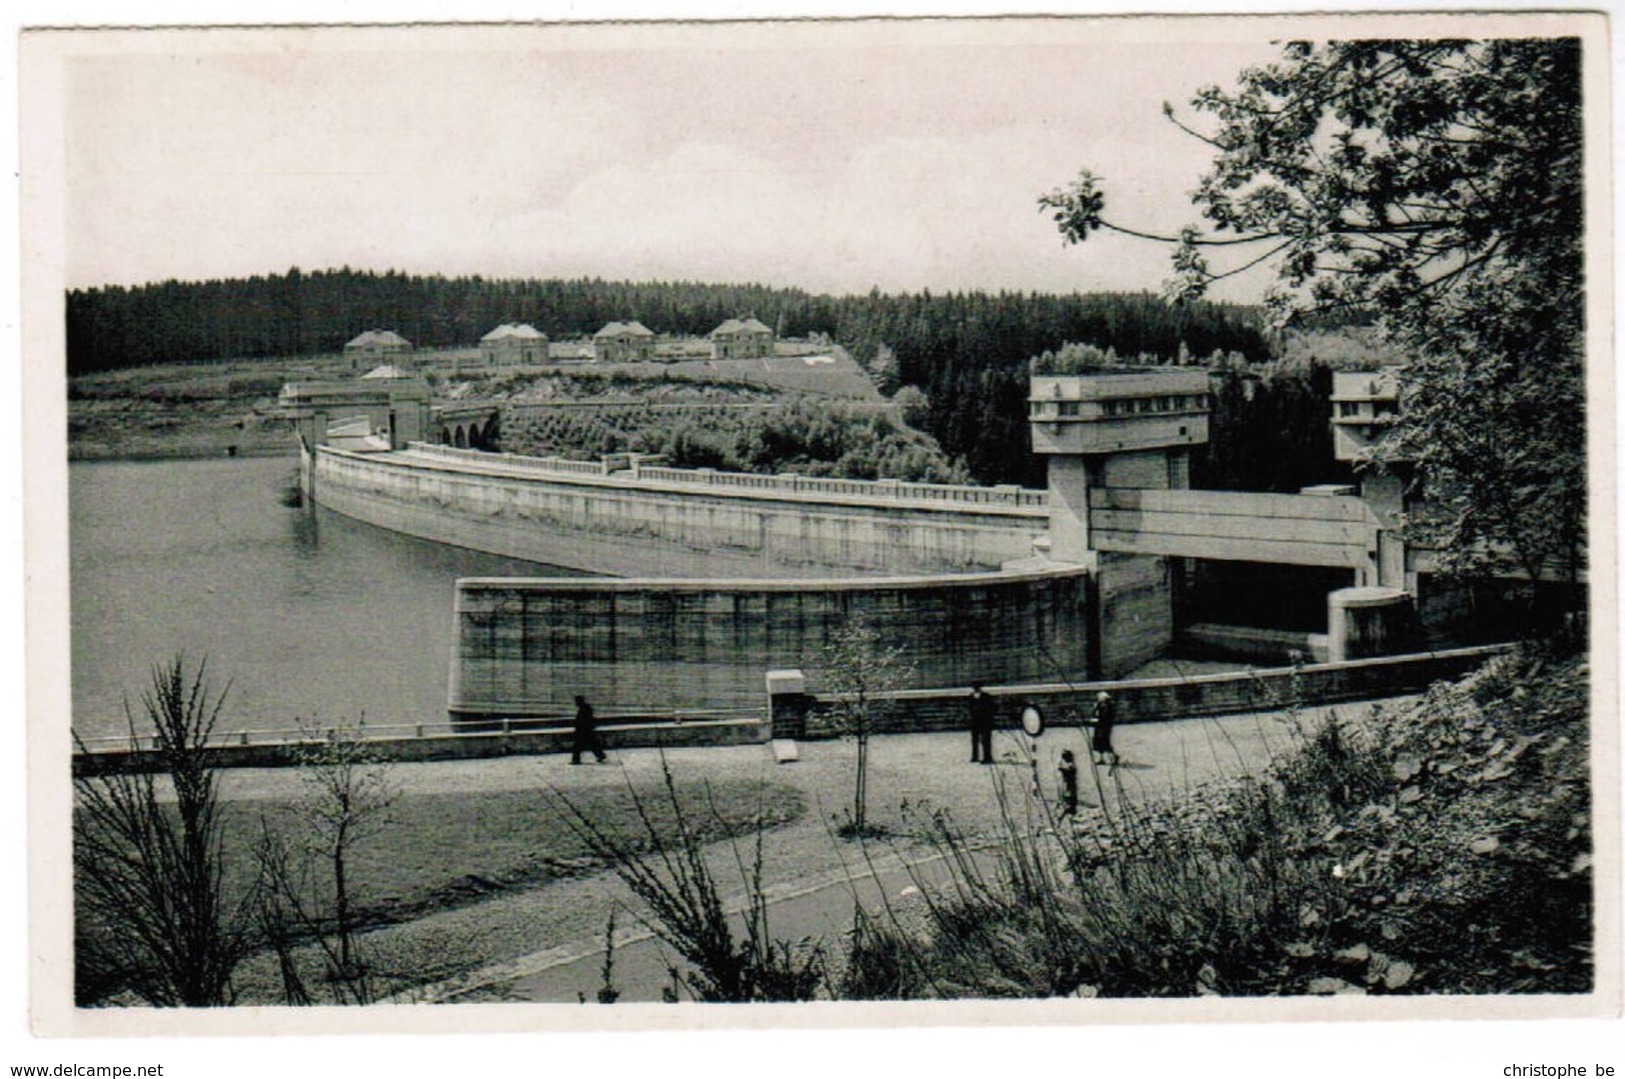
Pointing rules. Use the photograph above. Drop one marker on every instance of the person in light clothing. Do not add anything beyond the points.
(1105, 718)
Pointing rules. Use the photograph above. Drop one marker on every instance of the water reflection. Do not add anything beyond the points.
(304, 531)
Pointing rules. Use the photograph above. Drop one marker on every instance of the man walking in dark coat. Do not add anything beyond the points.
(981, 725)
(586, 733)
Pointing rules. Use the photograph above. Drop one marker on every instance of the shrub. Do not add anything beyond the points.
(685, 908)
(1444, 847)
(152, 913)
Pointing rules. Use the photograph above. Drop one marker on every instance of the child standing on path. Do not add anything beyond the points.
(1069, 784)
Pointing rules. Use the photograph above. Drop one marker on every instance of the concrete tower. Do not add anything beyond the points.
(1106, 429)
(1121, 427)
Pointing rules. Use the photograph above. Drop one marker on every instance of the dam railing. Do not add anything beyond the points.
(554, 466)
(883, 490)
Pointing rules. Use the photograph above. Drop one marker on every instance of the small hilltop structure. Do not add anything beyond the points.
(373, 346)
(513, 344)
(624, 342)
(741, 339)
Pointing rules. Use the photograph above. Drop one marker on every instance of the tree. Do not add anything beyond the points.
(1437, 185)
(913, 407)
(883, 369)
(861, 673)
(151, 908)
(305, 888)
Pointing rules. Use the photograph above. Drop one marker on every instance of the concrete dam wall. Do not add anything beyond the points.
(527, 646)
(678, 522)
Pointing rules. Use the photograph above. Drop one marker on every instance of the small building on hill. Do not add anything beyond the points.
(741, 339)
(374, 345)
(624, 342)
(513, 344)
(384, 371)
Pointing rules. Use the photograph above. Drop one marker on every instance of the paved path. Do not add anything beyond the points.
(821, 911)
(546, 944)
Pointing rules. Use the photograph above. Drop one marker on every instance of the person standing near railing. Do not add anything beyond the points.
(1105, 718)
(982, 721)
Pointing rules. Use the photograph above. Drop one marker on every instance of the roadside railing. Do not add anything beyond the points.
(467, 727)
(1150, 700)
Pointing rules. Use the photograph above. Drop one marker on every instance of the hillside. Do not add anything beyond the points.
(830, 374)
(205, 410)
(184, 410)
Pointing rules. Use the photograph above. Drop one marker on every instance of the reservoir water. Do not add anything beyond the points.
(308, 614)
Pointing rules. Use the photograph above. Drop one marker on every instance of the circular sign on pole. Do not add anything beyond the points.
(1032, 720)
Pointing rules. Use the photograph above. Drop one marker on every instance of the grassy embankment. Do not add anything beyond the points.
(441, 851)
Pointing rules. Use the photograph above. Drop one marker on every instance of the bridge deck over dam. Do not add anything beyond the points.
(1241, 526)
(642, 520)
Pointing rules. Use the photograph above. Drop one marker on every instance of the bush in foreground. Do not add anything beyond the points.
(1442, 848)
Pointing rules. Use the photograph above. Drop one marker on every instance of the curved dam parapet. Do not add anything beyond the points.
(526, 646)
(678, 522)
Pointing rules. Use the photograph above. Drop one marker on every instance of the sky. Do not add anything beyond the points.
(832, 157)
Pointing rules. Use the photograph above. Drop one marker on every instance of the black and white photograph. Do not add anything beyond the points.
(963, 521)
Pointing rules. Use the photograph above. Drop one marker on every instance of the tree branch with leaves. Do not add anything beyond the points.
(1438, 186)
